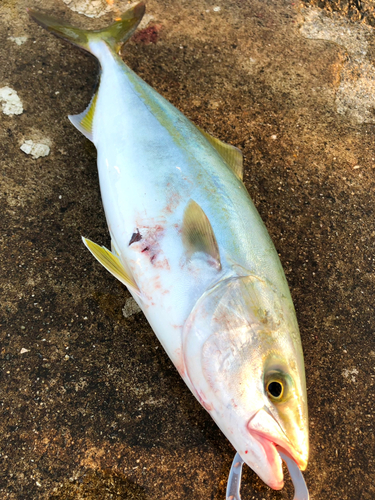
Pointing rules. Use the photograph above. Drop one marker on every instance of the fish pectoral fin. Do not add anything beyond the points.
(83, 122)
(230, 154)
(197, 233)
(112, 263)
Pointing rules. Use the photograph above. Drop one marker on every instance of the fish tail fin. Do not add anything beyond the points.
(114, 35)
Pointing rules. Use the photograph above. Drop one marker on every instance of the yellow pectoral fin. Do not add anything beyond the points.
(112, 263)
(197, 233)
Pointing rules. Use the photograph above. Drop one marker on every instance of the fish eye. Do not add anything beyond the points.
(275, 389)
(278, 384)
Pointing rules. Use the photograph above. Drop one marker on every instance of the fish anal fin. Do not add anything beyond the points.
(197, 233)
(230, 154)
(84, 121)
(112, 263)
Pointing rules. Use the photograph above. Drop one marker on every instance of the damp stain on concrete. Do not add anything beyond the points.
(104, 485)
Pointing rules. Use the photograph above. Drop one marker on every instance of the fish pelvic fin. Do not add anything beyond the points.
(197, 233)
(114, 35)
(113, 264)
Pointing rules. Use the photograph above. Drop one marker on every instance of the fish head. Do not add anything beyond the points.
(243, 356)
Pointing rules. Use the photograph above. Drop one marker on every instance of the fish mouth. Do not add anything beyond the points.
(268, 433)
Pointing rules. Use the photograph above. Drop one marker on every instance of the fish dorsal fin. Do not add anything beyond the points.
(112, 263)
(197, 233)
(231, 155)
(83, 122)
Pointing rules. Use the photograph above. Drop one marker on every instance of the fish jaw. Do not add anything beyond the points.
(271, 471)
(266, 430)
(257, 441)
(257, 450)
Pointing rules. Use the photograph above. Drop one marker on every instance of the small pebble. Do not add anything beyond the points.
(19, 40)
(10, 101)
(130, 308)
(35, 149)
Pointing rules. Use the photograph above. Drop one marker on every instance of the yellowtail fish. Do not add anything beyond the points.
(191, 248)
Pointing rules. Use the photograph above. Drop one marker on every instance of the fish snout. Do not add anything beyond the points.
(269, 434)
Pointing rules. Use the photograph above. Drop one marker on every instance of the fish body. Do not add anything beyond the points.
(192, 249)
(152, 160)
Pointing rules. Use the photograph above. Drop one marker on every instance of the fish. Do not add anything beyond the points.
(191, 248)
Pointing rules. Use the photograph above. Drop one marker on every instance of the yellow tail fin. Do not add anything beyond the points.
(115, 35)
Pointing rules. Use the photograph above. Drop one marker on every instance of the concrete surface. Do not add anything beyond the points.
(91, 407)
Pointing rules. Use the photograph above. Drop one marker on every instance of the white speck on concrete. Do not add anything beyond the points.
(355, 96)
(19, 40)
(346, 373)
(216, 9)
(23, 350)
(274, 137)
(130, 308)
(35, 149)
(10, 101)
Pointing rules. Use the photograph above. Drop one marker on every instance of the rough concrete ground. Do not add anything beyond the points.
(91, 407)
(355, 10)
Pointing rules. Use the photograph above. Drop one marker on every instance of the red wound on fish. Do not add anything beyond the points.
(135, 237)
